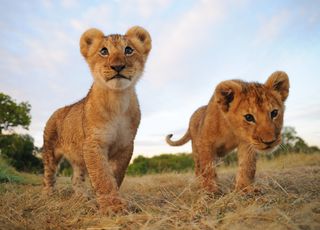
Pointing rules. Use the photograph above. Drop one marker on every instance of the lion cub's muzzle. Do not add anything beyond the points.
(269, 145)
(118, 75)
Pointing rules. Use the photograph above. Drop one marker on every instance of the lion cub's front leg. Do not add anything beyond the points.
(247, 166)
(102, 179)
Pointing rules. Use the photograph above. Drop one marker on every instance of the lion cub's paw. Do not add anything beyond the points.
(250, 190)
(48, 191)
(212, 189)
(112, 204)
(83, 195)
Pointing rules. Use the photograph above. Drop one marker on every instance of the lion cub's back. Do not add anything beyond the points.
(196, 120)
(65, 126)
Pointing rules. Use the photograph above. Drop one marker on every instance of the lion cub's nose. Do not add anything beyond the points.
(118, 68)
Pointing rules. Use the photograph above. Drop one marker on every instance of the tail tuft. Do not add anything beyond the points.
(182, 141)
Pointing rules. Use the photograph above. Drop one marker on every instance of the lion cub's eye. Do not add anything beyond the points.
(128, 51)
(274, 113)
(249, 118)
(104, 52)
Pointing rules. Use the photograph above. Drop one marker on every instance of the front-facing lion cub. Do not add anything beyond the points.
(96, 134)
(246, 116)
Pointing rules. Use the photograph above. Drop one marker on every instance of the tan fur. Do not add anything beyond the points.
(220, 127)
(96, 134)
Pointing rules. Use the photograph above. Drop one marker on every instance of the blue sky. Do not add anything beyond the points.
(196, 44)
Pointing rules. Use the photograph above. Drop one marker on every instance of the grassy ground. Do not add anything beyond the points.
(290, 199)
(9, 174)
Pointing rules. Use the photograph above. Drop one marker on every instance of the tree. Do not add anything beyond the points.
(289, 136)
(292, 141)
(13, 114)
(18, 151)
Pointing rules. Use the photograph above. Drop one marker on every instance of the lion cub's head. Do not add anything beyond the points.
(255, 111)
(116, 61)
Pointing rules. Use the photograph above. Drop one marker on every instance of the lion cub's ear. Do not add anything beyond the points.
(140, 38)
(90, 41)
(225, 93)
(279, 82)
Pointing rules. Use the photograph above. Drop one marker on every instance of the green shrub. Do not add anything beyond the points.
(163, 163)
(8, 173)
(18, 150)
(65, 168)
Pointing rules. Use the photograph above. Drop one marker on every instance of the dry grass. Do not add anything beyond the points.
(290, 199)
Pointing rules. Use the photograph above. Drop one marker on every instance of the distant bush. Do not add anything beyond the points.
(230, 159)
(163, 163)
(65, 168)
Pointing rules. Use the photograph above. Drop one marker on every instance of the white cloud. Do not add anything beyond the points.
(47, 3)
(98, 16)
(68, 3)
(300, 112)
(181, 38)
(50, 56)
(104, 14)
(272, 27)
(145, 8)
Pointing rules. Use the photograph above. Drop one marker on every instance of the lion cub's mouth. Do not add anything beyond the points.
(119, 76)
(268, 148)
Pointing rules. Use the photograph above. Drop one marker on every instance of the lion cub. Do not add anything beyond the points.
(246, 116)
(96, 134)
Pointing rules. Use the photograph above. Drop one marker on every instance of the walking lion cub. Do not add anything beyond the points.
(96, 134)
(246, 116)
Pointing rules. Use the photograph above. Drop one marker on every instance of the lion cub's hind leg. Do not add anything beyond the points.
(50, 163)
(196, 160)
(207, 169)
(51, 158)
(78, 180)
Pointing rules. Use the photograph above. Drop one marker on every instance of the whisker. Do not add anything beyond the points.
(284, 147)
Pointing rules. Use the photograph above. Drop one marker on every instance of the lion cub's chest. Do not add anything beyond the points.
(123, 132)
(117, 133)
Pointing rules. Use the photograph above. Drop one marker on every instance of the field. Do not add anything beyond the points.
(289, 199)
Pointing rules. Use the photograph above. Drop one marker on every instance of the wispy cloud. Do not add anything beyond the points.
(99, 16)
(144, 8)
(69, 3)
(301, 111)
(273, 27)
(181, 37)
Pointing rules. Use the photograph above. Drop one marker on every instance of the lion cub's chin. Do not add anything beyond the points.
(268, 151)
(119, 84)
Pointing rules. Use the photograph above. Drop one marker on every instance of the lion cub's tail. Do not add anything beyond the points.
(182, 141)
